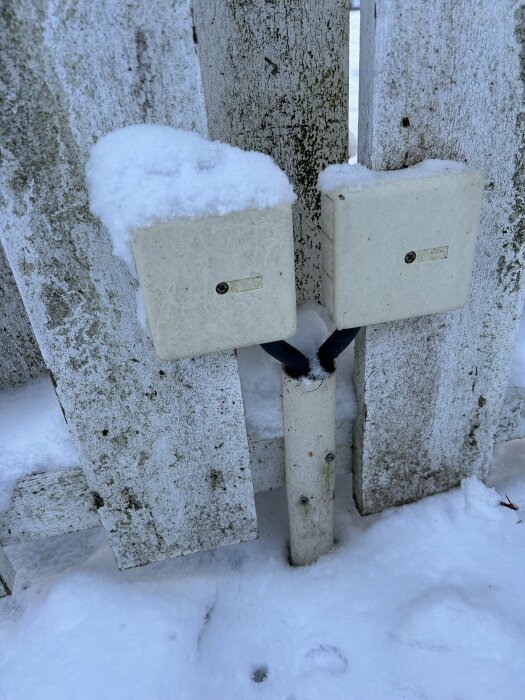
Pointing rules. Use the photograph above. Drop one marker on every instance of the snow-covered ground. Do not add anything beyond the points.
(423, 602)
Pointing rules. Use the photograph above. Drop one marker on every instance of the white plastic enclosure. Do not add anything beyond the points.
(399, 247)
(217, 282)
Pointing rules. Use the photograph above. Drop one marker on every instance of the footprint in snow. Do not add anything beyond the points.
(328, 658)
(260, 674)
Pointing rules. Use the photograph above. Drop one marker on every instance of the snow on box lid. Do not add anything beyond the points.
(147, 173)
(355, 177)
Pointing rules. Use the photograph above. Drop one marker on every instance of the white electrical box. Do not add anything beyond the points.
(401, 245)
(217, 282)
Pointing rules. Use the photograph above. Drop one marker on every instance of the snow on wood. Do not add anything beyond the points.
(162, 444)
(20, 358)
(442, 80)
(34, 436)
(275, 78)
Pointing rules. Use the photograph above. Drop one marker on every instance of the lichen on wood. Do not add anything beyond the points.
(275, 78)
(20, 357)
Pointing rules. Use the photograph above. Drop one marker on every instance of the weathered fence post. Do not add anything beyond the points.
(443, 80)
(275, 78)
(163, 444)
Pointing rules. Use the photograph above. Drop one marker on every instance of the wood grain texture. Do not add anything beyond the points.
(20, 357)
(162, 444)
(275, 77)
(443, 80)
(7, 575)
(48, 504)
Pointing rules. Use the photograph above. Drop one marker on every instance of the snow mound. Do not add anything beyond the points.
(448, 618)
(355, 177)
(34, 436)
(481, 501)
(147, 173)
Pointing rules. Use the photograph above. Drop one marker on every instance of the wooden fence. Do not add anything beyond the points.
(441, 80)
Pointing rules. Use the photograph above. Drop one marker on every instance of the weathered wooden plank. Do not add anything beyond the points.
(20, 358)
(48, 504)
(275, 79)
(162, 444)
(442, 80)
(55, 503)
(7, 575)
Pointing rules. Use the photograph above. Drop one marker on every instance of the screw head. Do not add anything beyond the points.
(222, 288)
(330, 457)
(410, 257)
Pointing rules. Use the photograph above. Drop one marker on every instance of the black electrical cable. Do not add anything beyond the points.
(295, 363)
(334, 346)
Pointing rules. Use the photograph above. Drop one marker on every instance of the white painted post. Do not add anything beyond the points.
(7, 575)
(442, 80)
(162, 444)
(309, 446)
(275, 78)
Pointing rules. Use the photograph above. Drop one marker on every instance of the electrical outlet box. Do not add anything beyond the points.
(397, 245)
(217, 282)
